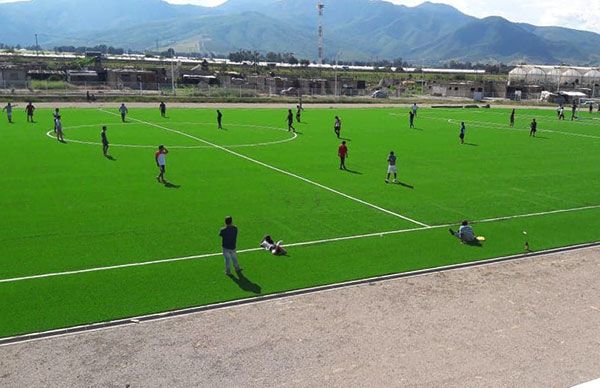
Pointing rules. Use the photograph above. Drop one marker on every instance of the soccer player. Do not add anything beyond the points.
(9, 111)
(163, 109)
(411, 118)
(463, 130)
(104, 141)
(512, 118)
(391, 167)
(337, 126)
(290, 120)
(561, 113)
(591, 107)
(298, 113)
(276, 248)
(161, 161)
(465, 233)
(574, 111)
(58, 129)
(415, 108)
(343, 154)
(124, 111)
(30, 109)
(55, 115)
(533, 127)
(219, 119)
(228, 243)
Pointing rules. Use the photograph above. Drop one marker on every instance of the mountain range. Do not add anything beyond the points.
(354, 30)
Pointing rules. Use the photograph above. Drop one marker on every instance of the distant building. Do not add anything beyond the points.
(12, 76)
(82, 77)
(134, 79)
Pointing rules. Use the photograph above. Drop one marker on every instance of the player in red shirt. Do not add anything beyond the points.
(343, 154)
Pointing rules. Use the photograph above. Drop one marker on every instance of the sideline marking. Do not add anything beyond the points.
(90, 328)
(502, 127)
(300, 244)
(278, 170)
(52, 135)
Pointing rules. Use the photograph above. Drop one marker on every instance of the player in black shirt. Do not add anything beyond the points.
(290, 120)
(219, 119)
(104, 141)
(163, 109)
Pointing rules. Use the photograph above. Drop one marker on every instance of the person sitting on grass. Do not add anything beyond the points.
(465, 233)
(275, 248)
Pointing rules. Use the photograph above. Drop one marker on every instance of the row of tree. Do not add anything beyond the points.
(102, 48)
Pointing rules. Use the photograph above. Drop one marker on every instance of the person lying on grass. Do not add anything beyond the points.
(275, 248)
(465, 233)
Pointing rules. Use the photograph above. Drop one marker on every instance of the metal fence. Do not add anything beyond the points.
(245, 90)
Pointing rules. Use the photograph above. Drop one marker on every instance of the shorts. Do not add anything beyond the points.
(462, 135)
(162, 168)
(105, 144)
(392, 170)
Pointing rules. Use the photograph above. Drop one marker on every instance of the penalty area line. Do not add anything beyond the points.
(291, 174)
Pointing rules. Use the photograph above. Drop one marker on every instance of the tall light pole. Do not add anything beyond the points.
(36, 44)
(320, 7)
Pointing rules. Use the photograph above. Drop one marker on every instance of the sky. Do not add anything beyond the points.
(580, 14)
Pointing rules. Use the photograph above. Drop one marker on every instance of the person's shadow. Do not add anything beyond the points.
(110, 157)
(245, 284)
(170, 185)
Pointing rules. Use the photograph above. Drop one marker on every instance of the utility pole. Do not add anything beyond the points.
(36, 44)
(173, 71)
(320, 7)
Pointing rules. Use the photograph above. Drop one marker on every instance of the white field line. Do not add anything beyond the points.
(280, 170)
(51, 135)
(501, 127)
(300, 244)
(207, 255)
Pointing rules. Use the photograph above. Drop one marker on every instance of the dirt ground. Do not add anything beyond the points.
(531, 323)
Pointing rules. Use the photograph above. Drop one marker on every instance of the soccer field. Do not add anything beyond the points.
(87, 239)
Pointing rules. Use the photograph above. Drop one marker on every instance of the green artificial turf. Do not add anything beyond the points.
(65, 207)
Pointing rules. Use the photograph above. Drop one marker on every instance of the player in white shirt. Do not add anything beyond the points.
(161, 161)
(9, 111)
(392, 169)
(58, 129)
(465, 233)
(124, 111)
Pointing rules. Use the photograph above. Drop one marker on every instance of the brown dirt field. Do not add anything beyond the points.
(532, 323)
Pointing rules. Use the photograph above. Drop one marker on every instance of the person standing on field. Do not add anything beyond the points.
(343, 154)
(104, 141)
(9, 111)
(219, 119)
(124, 111)
(290, 120)
(463, 130)
(337, 126)
(392, 169)
(533, 127)
(30, 109)
(163, 109)
(512, 118)
(161, 161)
(411, 118)
(59, 129)
(414, 109)
(228, 243)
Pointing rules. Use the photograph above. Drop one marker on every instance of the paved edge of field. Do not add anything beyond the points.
(531, 322)
(251, 105)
